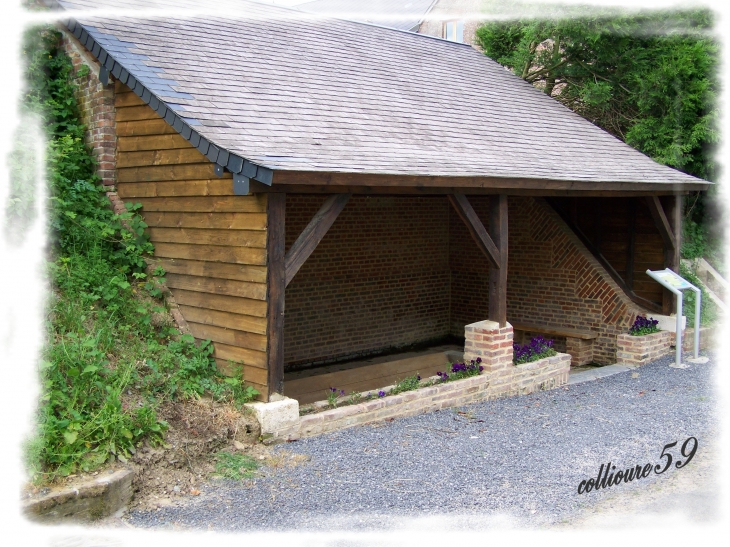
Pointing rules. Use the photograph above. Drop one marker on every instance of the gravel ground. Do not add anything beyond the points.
(510, 462)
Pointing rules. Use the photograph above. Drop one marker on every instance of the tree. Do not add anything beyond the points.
(649, 79)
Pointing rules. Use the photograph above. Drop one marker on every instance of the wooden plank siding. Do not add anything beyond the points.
(211, 243)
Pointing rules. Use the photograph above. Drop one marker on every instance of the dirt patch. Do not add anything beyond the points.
(198, 429)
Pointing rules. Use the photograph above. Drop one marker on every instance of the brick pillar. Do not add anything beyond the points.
(493, 344)
(581, 351)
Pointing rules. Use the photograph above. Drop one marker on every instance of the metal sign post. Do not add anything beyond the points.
(676, 284)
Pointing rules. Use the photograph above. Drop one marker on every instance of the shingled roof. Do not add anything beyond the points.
(261, 89)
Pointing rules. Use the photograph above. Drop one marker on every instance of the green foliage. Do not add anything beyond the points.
(107, 363)
(406, 384)
(235, 466)
(354, 398)
(649, 79)
(708, 309)
(643, 326)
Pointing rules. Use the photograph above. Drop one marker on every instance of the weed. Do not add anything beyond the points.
(333, 395)
(354, 398)
(235, 466)
(406, 384)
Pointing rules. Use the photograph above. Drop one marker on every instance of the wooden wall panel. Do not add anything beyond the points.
(211, 243)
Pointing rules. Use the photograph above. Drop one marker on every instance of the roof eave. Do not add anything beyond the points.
(284, 178)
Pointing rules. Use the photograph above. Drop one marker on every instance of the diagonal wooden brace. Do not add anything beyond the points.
(310, 237)
(661, 221)
(476, 228)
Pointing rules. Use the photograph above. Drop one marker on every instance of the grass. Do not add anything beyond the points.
(708, 309)
(235, 466)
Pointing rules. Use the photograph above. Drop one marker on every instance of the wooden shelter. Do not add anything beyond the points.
(373, 180)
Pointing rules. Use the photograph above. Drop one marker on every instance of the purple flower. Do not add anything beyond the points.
(381, 393)
(333, 389)
(439, 373)
(342, 392)
(481, 369)
(418, 377)
(479, 359)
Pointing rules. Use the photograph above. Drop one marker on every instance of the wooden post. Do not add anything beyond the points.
(673, 208)
(498, 276)
(275, 290)
(630, 249)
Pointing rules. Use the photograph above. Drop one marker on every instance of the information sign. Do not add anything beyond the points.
(676, 284)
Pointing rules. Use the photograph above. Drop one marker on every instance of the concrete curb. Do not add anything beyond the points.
(601, 372)
(90, 500)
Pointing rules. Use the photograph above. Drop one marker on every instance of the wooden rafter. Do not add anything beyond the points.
(476, 228)
(310, 237)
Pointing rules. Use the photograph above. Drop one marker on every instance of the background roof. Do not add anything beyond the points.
(398, 14)
(289, 92)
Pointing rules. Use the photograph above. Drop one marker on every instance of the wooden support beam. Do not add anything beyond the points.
(373, 190)
(661, 222)
(631, 247)
(476, 228)
(311, 235)
(673, 208)
(498, 276)
(276, 285)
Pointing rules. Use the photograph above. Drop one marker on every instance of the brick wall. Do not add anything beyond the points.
(379, 278)
(552, 279)
(398, 270)
(96, 103)
(640, 350)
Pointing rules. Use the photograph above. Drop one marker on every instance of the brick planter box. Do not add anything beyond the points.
(635, 351)
(544, 374)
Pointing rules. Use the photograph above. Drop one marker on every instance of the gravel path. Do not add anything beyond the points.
(515, 461)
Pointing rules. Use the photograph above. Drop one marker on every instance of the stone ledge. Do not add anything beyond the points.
(90, 500)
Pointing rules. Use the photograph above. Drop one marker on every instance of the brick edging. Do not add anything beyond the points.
(548, 373)
(635, 351)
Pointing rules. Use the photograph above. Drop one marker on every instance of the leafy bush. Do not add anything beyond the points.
(643, 326)
(538, 348)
